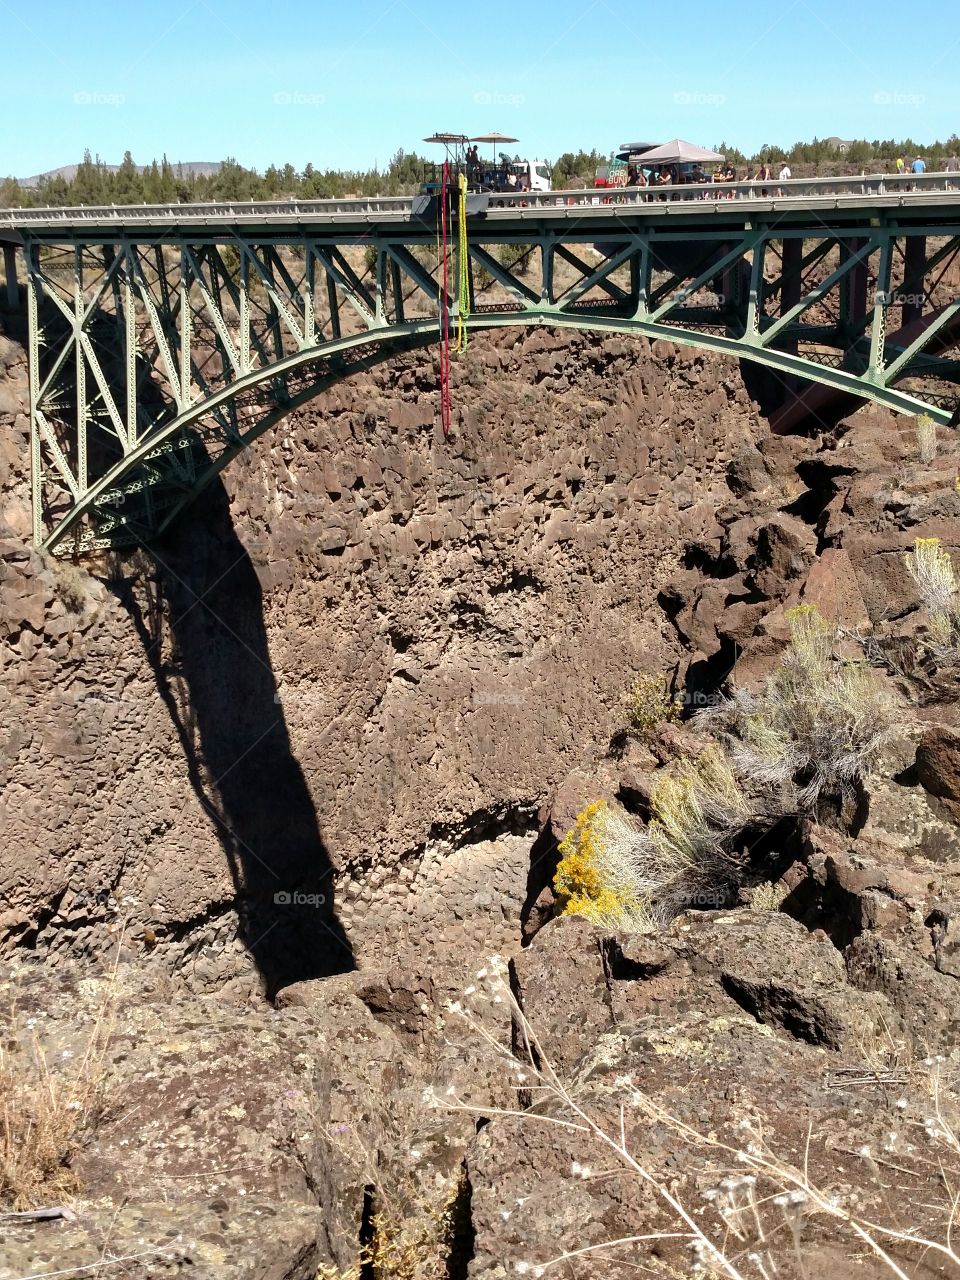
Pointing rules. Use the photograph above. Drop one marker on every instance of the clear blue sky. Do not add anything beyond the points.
(345, 84)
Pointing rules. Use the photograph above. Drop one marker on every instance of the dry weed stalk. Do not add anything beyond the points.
(760, 1209)
(926, 438)
(412, 1233)
(44, 1113)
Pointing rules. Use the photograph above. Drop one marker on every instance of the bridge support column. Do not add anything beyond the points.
(853, 288)
(791, 291)
(791, 284)
(10, 271)
(731, 283)
(914, 261)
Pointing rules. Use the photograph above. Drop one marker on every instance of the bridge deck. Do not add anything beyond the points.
(928, 198)
(150, 369)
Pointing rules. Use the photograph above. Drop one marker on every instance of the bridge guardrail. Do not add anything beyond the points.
(864, 186)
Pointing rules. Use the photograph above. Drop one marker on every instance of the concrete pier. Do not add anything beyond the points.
(12, 291)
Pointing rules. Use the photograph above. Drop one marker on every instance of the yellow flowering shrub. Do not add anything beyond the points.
(592, 880)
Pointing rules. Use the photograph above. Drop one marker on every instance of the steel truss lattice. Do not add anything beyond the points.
(158, 353)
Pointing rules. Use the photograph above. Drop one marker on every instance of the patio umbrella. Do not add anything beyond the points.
(677, 151)
(449, 140)
(494, 138)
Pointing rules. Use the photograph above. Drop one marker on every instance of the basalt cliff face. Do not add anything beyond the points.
(376, 649)
(299, 774)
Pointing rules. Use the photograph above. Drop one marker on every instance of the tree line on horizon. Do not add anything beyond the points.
(96, 183)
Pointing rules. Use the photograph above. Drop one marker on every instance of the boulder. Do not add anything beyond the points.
(938, 765)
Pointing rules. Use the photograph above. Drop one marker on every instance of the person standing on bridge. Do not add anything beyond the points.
(918, 166)
(952, 166)
(901, 165)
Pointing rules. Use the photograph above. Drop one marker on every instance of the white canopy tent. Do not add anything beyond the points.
(677, 151)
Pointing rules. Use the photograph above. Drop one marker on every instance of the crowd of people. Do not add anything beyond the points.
(502, 178)
(674, 175)
(764, 178)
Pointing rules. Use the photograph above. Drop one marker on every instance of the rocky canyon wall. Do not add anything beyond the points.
(356, 668)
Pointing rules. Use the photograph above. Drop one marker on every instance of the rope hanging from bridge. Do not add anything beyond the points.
(445, 406)
(463, 287)
(463, 266)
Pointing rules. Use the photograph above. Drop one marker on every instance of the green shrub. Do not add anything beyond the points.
(649, 705)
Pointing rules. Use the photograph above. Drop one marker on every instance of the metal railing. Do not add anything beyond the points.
(873, 188)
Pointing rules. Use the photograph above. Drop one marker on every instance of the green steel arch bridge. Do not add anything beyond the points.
(164, 339)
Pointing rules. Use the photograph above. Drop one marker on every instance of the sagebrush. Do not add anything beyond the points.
(818, 723)
(931, 568)
(625, 877)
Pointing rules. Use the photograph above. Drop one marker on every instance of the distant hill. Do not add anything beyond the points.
(203, 168)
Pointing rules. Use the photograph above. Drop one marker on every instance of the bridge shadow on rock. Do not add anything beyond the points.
(198, 608)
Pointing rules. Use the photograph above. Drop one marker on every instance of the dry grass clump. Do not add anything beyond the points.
(650, 706)
(45, 1112)
(931, 568)
(686, 857)
(926, 438)
(760, 1212)
(71, 586)
(410, 1224)
(818, 724)
(402, 1248)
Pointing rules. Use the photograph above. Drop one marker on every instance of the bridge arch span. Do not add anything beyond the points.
(146, 340)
